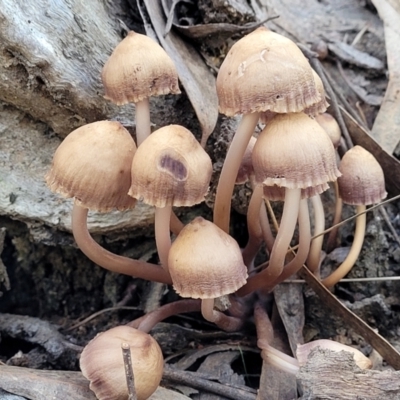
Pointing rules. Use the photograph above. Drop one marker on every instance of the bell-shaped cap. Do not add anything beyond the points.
(102, 363)
(362, 181)
(93, 165)
(137, 69)
(205, 262)
(265, 71)
(293, 151)
(170, 168)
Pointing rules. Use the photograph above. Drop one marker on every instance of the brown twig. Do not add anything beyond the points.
(130, 378)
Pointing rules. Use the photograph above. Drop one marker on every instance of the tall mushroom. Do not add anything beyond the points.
(137, 69)
(263, 71)
(93, 166)
(170, 168)
(362, 183)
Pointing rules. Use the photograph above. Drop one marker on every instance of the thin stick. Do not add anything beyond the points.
(130, 379)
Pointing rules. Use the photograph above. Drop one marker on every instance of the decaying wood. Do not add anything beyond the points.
(335, 375)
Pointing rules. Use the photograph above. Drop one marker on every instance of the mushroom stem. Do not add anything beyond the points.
(234, 156)
(282, 242)
(266, 227)
(355, 249)
(147, 322)
(223, 321)
(108, 260)
(314, 257)
(162, 233)
(253, 227)
(331, 242)
(304, 246)
(176, 225)
(142, 120)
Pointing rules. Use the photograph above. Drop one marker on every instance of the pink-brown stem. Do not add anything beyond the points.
(331, 242)
(162, 233)
(142, 116)
(109, 260)
(223, 321)
(147, 322)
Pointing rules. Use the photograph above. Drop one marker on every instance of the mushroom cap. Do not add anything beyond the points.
(93, 164)
(293, 151)
(102, 363)
(265, 71)
(362, 181)
(170, 168)
(331, 127)
(137, 69)
(321, 106)
(276, 193)
(205, 262)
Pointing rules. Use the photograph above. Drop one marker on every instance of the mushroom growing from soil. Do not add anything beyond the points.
(137, 69)
(293, 152)
(362, 183)
(206, 263)
(101, 362)
(170, 168)
(93, 166)
(263, 71)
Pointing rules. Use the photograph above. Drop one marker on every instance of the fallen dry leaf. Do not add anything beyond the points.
(386, 129)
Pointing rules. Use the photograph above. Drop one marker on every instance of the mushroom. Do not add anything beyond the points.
(93, 166)
(294, 152)
(137, 69)
(362, 183)
(170, 168)
(101, 362)
(263, 71)
(206, 263)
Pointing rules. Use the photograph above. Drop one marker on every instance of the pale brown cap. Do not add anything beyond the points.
(93, 165)
(246, 166)
(295, 152)
(320, 106)
(205, 262)
(362, 181)
(102, 363)
(265, 71)
(331, 127)
(276, 193)
(170, 168)
(137, 69)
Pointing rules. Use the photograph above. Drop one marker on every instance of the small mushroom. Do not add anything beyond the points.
(137, 69)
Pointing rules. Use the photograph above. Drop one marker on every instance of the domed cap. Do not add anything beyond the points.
(137, 69)
(321, 106)
(295, 152)
(331, 127)
(102, 363)
(205, 262)
(265, 71)
(362, 182)
(170, 168)
(93, 164)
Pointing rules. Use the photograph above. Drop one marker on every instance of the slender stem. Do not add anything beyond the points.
(176, 225)
(304, 246)
(254, 227)
(226, 183)
(147, 322)
(142, 121)
(162, 233)
(314, 256)
(282, 242)
(223, 321)
(331, 242)
(351, 258)
(266, 227)
(108, 260)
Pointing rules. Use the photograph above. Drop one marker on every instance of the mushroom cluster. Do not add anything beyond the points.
(266, 79)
